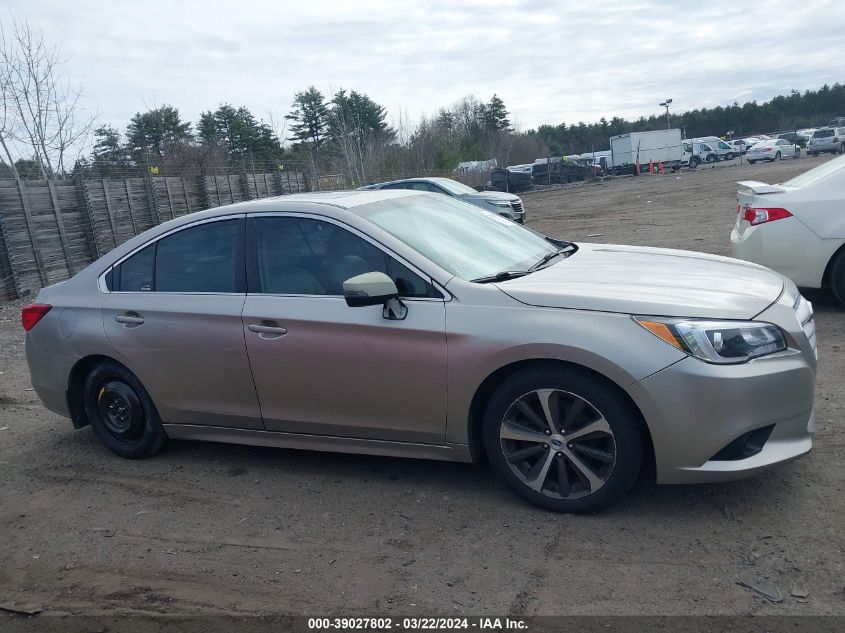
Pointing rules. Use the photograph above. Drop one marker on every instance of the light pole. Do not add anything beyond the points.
(665, 104)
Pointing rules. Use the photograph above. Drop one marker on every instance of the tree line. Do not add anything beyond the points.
(42, 127)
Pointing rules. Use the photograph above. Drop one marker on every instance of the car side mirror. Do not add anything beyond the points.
(375, 288)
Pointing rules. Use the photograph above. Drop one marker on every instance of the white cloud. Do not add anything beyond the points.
(550, 61)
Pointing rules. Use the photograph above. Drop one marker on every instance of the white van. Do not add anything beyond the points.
(698, 152)
(722, 149)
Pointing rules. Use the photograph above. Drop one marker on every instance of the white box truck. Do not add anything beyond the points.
(662, 146)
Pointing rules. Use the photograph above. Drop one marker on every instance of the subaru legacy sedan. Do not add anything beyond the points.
(411, 324)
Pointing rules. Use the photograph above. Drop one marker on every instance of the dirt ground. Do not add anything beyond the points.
(205, 528)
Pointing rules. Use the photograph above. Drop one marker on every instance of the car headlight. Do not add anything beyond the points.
(722, 342)
(500, 203)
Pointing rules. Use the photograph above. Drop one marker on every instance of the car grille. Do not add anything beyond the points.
(804, 312)
(517, 206)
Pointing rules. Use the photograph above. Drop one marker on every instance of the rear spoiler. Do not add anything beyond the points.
(760, 187)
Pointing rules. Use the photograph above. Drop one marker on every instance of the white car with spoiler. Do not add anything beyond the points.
(796, 228)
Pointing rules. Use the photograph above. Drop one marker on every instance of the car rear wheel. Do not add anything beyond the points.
(751, 162)
(121, 412)
(837, 276)
(563, 440)
(729, 156)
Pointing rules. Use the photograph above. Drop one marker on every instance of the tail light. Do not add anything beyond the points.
(766, 149)
(761, 216)
(32, 314)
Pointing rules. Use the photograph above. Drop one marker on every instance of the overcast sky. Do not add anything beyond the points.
(549, 61)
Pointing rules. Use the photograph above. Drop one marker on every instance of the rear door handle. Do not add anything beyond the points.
(267, 329)
(128, 319)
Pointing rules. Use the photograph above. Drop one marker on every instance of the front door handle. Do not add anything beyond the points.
(271, 331)
(129, 319)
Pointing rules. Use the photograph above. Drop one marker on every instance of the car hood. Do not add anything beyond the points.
(491, 195)
(650, 281)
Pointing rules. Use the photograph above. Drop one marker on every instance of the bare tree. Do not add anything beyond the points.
(41, 115)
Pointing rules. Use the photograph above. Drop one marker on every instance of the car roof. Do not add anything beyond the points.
(346, 200)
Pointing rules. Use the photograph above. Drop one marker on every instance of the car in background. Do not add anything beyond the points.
(722, 150)
(827, 139)
(774, 149)
(704, 152)
(413, 324)
(741, 145)
(796, 228)
(837, 122)
(499, 202)
(794, 137)
(807, 133)
(520, 169)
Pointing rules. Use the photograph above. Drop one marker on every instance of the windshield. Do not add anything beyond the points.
(454, 187)
(825, 170)
(467, 241)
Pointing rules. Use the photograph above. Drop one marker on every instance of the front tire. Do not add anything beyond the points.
(777, 157)
(711, 158)
(751, 162)
(729, 156)
(837, 276)
(121, 412)
(563, 439)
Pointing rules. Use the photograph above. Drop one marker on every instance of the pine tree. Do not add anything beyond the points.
(494, 115)
(309, 118)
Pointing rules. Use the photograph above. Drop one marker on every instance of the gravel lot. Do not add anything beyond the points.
(205, 528)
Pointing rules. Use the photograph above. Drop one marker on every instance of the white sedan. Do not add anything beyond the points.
(773, 149)
(796, 228)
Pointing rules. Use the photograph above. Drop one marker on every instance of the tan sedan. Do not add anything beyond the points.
(411, 324)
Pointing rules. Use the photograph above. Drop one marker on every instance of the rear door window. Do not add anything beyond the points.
(199, 259)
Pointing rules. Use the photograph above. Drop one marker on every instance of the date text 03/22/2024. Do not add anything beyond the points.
(418, 623)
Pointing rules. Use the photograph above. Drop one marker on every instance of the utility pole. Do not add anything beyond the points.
(665, 104)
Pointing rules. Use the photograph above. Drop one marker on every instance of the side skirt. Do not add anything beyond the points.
(447, 452)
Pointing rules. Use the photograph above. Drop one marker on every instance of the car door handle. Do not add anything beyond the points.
(129, 319)
(267, 329)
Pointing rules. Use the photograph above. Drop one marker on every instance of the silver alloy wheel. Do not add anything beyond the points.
(558, 444)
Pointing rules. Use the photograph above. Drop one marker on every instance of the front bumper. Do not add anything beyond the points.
(694, 409)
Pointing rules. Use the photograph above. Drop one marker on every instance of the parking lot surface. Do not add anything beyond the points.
(204, 528)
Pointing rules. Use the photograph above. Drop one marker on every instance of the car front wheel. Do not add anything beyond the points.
(837, 276)
(563, 439)
(121, 412)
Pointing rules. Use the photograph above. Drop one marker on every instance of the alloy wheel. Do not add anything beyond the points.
(558, 444)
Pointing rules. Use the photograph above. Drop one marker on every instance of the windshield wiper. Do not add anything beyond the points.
(566, 250)
(502, 276)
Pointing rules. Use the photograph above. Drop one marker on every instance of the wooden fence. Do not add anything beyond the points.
(49, 230)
